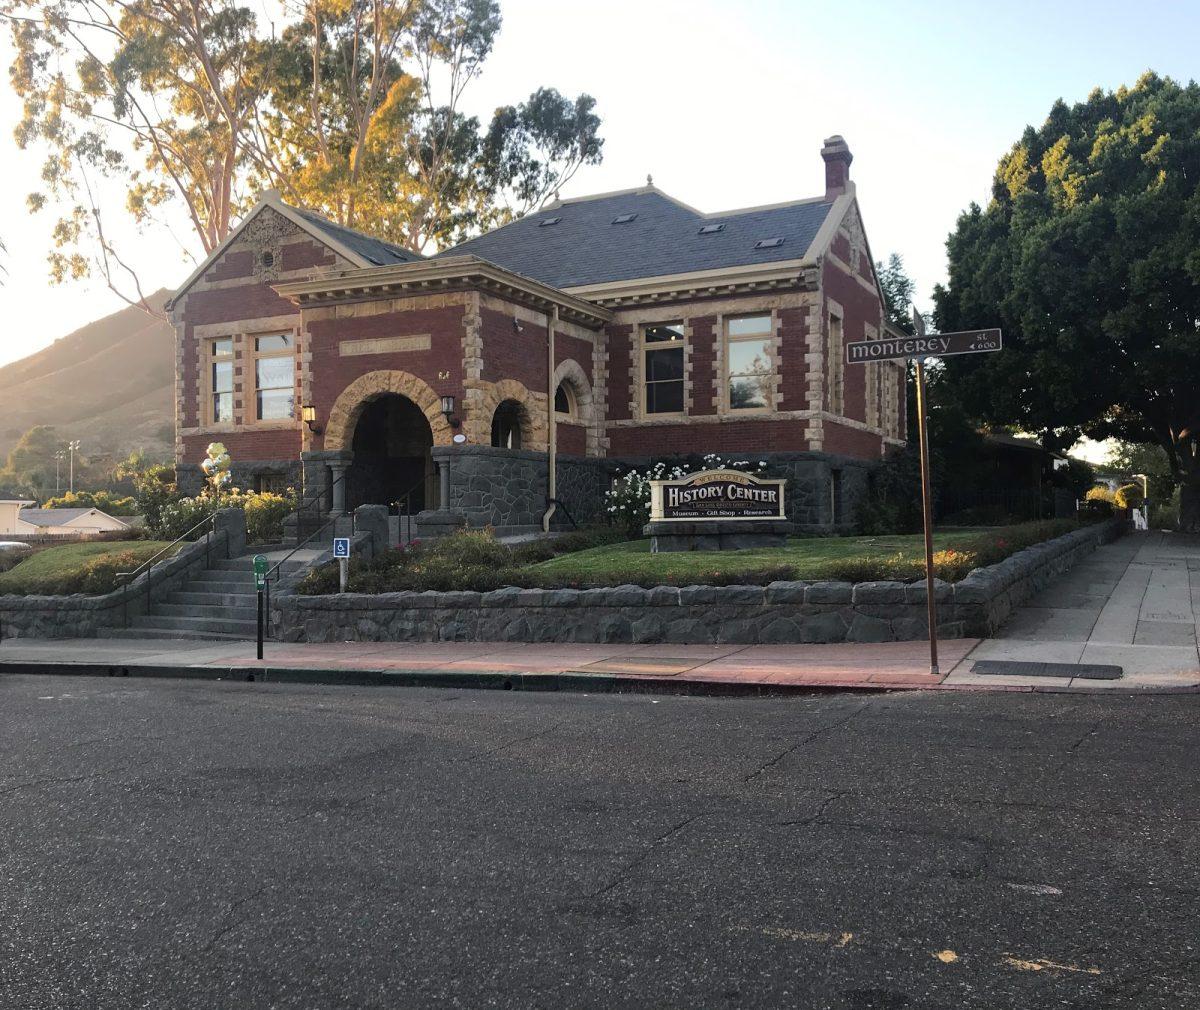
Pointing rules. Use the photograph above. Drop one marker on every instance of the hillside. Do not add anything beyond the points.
(110, 384)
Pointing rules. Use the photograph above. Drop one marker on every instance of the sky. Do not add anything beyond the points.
(726, 105)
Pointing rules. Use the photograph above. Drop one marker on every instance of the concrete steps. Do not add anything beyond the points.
(219, 604)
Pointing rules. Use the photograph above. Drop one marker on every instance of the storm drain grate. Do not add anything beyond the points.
(1015, 668)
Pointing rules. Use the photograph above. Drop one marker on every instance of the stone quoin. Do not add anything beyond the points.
(610, 330)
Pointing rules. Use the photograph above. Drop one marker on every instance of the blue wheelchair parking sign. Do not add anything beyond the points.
(341, 547)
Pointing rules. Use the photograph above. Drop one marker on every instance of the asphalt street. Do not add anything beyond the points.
(190, 844)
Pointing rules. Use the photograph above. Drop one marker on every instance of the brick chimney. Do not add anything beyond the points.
(837, 166)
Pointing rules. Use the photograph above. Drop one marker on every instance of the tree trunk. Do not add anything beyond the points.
(1189, 501)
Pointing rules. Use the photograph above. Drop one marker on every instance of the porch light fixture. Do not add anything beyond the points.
(308, 414)
(448, 411)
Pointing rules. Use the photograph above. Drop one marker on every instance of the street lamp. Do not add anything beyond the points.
(73, 445)
(59, 456)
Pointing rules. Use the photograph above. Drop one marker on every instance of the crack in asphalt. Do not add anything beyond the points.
(819, 813)
(837, 724)
(1090, 731)
(58, 780)
(500, 748)
(645, 854)
(224, 931)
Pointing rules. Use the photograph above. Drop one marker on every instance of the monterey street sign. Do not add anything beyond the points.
(938, 345)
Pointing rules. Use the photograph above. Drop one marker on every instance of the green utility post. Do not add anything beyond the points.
(260, 579)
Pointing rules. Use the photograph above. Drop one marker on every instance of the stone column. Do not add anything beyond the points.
(338, 470)
(443, 466)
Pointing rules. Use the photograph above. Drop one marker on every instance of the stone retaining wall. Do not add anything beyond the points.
(82, 616)
(782, 612)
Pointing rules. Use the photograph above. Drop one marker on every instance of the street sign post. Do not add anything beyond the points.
(922, 346)
(940, 345)
(260, 579)
(341, 551)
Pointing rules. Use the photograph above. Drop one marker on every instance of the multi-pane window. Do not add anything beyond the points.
(835, 368)
(662, 368)
(220, 380)
(274, 377)
(748, 365)
(874, 412)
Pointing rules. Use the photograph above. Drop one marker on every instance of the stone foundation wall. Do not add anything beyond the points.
(80, 616)
(507, 487)
(780, 613)
(190, 479)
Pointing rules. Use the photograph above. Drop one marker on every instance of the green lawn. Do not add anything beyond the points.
(806, 558)
(54, 567)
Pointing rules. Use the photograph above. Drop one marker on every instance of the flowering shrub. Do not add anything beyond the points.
(952, 566)
(265, 512)
(627, 504)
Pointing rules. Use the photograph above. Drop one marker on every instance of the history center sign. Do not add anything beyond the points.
(716, 494)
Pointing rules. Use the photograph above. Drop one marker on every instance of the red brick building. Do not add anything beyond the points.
(609, 329)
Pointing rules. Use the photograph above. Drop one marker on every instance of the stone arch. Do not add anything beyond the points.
(485, 397)
(348, 407)
(572, 373)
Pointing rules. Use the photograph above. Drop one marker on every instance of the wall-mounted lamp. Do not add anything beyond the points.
(448, 411)
(308, 414)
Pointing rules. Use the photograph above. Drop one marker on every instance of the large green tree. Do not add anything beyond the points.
(1088, 255)
(350, 107)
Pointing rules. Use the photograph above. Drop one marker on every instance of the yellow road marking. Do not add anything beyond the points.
(1041, 964)
(801, 935)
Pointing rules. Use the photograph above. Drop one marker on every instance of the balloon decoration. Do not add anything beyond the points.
(216, 467)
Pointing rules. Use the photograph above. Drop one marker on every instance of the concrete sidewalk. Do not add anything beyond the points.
(1134, 603)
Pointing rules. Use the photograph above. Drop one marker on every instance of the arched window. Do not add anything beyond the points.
(506, 425)
(564, 401)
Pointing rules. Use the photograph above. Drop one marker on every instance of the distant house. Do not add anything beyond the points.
(17, 517)
(10, 513)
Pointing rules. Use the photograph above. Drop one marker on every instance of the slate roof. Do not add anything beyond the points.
(53, 517)
(375, 250)
(586, 247)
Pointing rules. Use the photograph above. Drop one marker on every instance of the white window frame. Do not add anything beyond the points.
(835, 364)
(211, 360)
(768, 336)
(663, 345)
(253, 356)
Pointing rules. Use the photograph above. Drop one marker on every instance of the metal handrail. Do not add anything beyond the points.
(129, 577)
(407, 497)
(566, 511)
(307, 540)
(150, 562)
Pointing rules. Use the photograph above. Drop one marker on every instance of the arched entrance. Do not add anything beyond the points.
(391, 444)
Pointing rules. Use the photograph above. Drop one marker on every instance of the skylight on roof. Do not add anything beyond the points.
(547, 222)
(711, 229)
(768, 243)
(623, 218)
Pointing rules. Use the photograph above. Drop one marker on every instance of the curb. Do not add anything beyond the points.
(573, 681)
